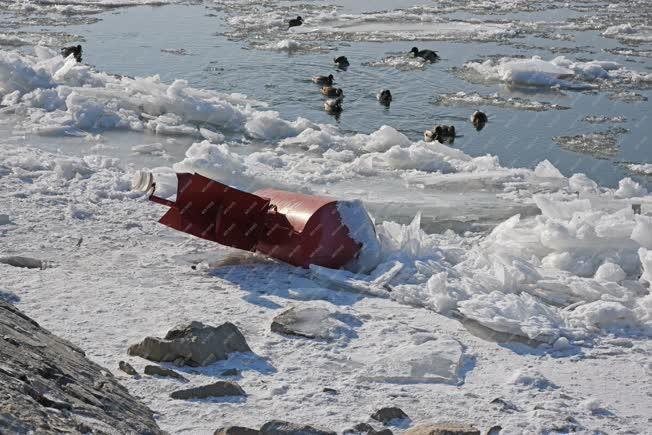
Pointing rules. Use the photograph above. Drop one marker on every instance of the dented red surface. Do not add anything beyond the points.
(293, 227)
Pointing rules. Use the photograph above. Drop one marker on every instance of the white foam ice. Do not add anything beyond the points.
(475, 99)
(59, 96)
(641, 168)
(629, 33)
(560, 71)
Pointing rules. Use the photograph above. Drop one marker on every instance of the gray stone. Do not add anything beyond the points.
(308, 322)
(443, 429)
(162, 371)
(366, 429)
(494, 430)
(278, 427)
(192, 344)
(230, 372)
(236, 430)
(504, 405)
(26, 262)
(386, 415)
(127, 368)
(217, 389)
(48, 386)
(329, 390)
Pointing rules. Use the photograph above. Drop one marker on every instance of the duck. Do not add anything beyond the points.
(342, 62)
(428, 55)
(323, 80)
(479, 119)
(384, 97)
(440, 133)
(295, 22)
(75, 50)
(330, 91)
(333, 105)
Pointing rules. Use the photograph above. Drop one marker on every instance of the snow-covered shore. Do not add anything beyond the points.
(541, 323)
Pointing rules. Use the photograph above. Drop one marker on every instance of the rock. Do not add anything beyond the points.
(230, 372)
(494, 430)
(277, 427)
(162, 371)
(26, 262)
(433, 361)
(443, 429)
(386, 415)
(504, 405)
(48, 386)
(192, 344)
(217, 389)
(329, 390)
(127, 368)
(236, 430)
(366, 428)
(309, 322)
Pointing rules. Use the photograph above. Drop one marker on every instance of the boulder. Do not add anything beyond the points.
(366, 429)
(192, 344)
(217, 389)
(443, 429)
(278, 427)
(127, 368)
(26, 262)
(308, 322)
(48, 386)
(230, 372)
(433, 361)
(386, 415)
(162, 371)
(236, 430)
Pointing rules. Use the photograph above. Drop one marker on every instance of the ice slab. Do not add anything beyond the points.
(434, 361)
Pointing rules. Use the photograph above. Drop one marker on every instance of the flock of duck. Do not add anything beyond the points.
(440, 133)
(333, 105)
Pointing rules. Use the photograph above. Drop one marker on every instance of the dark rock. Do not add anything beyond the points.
(162, 371)
(278, 427)
(26, 262)
(192, 344)
(230, 372)
(386, 415)
(127, 368)
(217, 389)
(48, 386)
(236, 430)
(365, 428)
(329, 390)
(443, 429)
(494, 430)
(504, 405)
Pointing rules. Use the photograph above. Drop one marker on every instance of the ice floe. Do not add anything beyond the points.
(558, 72)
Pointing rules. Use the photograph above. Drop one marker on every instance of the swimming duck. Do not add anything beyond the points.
(323, 80)
(384, 97)
(440, 133)
(479, 119)
(76, 51)
(330, 91)
(295, 22)
(428, 55)
(333, 105)
(342, 62)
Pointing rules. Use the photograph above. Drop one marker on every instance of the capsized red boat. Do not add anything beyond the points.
(293, 227)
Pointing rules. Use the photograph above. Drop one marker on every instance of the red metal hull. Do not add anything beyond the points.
(295, 228)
